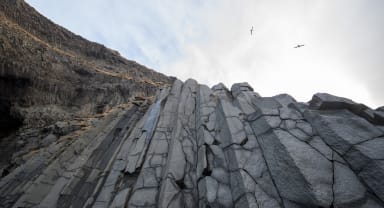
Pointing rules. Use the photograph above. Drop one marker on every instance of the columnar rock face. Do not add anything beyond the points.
(81, 126)
(197, 146)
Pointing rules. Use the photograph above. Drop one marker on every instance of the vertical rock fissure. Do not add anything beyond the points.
(149, 128)
(101, 162)
(269, 172)
(281, 201)
(180, 163)
(115, 159)
(333, 179)
(152, 172)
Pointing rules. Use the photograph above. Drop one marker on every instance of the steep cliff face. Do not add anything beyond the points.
(81, 126)
(44, 65)
(202, 147)
(52, 82)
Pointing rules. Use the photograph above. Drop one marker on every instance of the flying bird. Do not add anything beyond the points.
(298, 46)
(251, 30)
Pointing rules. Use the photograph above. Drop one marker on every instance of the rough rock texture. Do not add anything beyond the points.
(48, 73)
(52, 82)
(201, 147)
(101, 131)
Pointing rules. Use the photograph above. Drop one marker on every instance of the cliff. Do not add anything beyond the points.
(51, 78)
(43, 64)
(83, 127)
(202, 147)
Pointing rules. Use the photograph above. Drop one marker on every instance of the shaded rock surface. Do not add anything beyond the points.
(197, 146)
(49, 74)
(55, 82)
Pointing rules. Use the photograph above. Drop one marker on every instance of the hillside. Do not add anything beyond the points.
(49, 75)
(43, 64)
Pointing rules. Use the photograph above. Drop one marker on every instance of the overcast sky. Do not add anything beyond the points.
(210, 41)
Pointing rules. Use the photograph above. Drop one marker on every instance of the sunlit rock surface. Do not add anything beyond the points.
(197, 146)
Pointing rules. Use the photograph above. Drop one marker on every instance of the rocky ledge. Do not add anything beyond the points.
(197, 146)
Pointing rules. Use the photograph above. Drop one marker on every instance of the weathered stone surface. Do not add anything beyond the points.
(238, 88)
(284, 99)
(188, 146)
(199, 147)
(348, 191)
(326, 101)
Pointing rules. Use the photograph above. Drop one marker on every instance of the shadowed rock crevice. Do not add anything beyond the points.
(9, 122)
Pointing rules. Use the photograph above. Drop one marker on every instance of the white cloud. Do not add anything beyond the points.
(210, 41)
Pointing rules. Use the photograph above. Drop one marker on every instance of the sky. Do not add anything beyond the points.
(210, 41)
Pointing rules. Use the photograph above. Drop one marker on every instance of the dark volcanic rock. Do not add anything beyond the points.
(326, 101)
(202, 147)
(96, 130)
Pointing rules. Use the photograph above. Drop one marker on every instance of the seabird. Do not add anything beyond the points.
(251, 30)
(298, 46)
